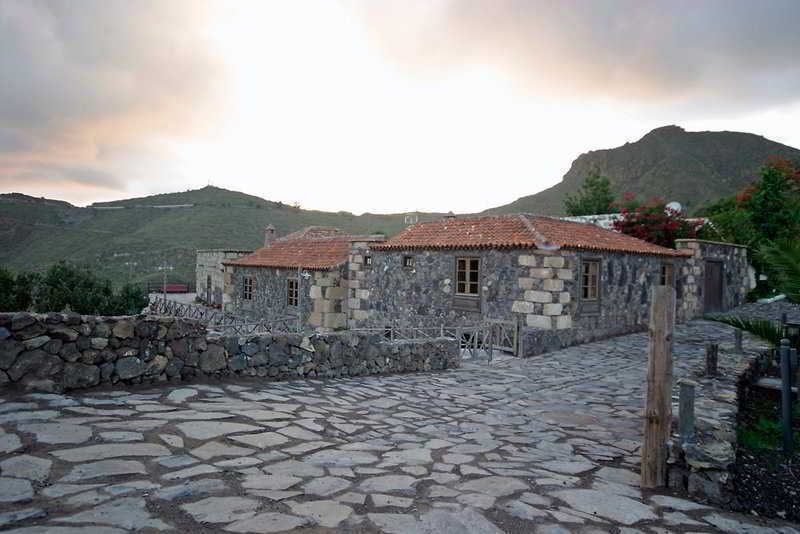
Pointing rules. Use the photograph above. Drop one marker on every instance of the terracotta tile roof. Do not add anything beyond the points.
(314, 248)
(518, 231)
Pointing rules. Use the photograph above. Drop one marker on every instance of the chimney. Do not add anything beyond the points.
(269, 235)
(450, 215)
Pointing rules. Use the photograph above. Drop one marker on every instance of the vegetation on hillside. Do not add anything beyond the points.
(593, 198)
(66, 287)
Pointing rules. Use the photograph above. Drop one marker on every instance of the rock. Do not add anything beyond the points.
(79, 375)
(98, 343)
(340, 458)
(63, 333)
(21, 319)
(5, 333)
(191, 472)
(8, 353)
(389, 484)
(27, 467)
(104, 468)
(36, 362)
(9, 518)
(221, 509)
(213, 429)
(665, 501)
(35, 342)
(180, 395)
(9, 443)
(270, 482)
(121, 436)
(174, 367)
(110, 450)
(326, 486)
(569, 468)
(263, 440)
(522, 510)
(415, 456)
(324, 513)
(123, 330)
(128, 513)
(128, 368)
(213, 449)
(494, 485)
(213, 359)
(267, 523)
(190, 488)
(614, 507)
(15, 490)
(156, 365)
(379, 500)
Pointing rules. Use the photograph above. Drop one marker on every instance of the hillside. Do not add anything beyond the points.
(693, 168)
(129, 239)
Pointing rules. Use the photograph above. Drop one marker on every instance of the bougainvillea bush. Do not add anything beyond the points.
(656, 223)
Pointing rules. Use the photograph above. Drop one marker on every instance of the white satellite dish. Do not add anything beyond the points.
(674, 206)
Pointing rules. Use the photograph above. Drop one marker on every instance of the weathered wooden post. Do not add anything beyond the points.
(520, 337)
(737, 341)
(786, 397)
(712, 358)
(686, 410)
(658, 403)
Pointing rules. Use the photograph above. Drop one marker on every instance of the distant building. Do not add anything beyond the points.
(211, 275)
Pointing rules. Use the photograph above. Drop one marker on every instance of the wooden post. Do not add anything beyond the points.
(658, 403)
(520, 337)
(737, 339)
(712, 358)
(686, 411)
(786, 397)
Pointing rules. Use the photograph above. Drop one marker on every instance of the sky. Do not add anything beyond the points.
(372, 105)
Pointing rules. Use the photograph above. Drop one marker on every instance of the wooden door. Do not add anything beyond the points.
(713, 287)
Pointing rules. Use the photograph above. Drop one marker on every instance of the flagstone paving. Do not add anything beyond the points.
(545, 445)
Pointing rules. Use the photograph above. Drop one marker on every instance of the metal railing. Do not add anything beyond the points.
(472, 338)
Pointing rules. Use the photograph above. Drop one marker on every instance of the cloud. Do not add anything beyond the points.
(731, 55)
(78, 77)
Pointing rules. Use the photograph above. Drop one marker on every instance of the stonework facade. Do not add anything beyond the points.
(210, 275)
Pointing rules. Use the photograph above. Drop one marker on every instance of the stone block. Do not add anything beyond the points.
(362, 293)
(539, 321)
(521, 306)
(315, 319)
(557, 262)
(335, 292)
(565, 274)
(526, 283)
(316, 292)
(553, 309)
(334, 320)
(539, 296)
(123, 329)
(564, 297)
(213, 359)
(325, 282)
(527, 261)
(553, 285)
(541, 272)
(563, 321)
(354, 304)
(323, 305)
(129, 368)
(355, 284)
(357, 258)
(360, 315)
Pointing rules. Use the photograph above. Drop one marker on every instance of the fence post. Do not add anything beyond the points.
(712, 358)
(658, 403)
(737, 339)
(441, 330)
(786, 396)
(686, 410)
(458, 338)
(491, 341)
(520, 348)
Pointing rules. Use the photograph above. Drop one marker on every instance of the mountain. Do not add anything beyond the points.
(694, 168)
(127, 240)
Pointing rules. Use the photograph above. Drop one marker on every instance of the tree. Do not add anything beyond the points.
(656, 223)
(16, 291)
(593, 198)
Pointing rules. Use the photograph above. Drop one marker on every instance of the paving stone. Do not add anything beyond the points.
(620, 476)
(171, 462)
(389, 484)
(190, 472)
(180, 395)
(270, 482)
(417, 456)
(9, 443)
(212, 449)
(213, 429)
(15, 490)
(191, 488)
(477, 500)
(244, 461)
(569, 468)
(675, 503)
(127, 512)
(293, 467)
(121, 436)
(323, 513)
(17, 516)
(111, 450)
(26, 466)
(326, 486)
(494, 486)
(50, 529)
(221, 509)
(352, 498)
(104, 468)
(340, 458)
(275, 495)
(380, 500)
(60, 490)
(551, 529)
(614, 507)
(522, 510)
(262, 440)
(172, 440)
(267, 523)
(296, 432)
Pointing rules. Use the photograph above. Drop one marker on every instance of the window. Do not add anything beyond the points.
(291, 292)
(468, 276)
(408, 261)
(367, 261)
(667, 274)
(590, 280)
(248, 288)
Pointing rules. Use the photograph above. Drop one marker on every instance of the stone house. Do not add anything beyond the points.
(210, 274)
(561, 282)
(301, 275)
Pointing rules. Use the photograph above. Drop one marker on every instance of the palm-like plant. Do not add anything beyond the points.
(764, 329)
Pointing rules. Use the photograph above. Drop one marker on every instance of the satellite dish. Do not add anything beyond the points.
(674, 206)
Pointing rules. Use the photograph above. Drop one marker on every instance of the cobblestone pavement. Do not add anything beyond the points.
(545, 445)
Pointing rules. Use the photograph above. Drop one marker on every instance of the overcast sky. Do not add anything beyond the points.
(372, 105)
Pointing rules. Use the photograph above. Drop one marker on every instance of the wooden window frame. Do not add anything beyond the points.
(667, 275)
(467, 300)
(248, 287)
(590, 305)
(367, 261)
(292, 292)
(408, 262)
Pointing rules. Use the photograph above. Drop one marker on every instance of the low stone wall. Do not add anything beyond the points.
(703, 466)
(59, 352)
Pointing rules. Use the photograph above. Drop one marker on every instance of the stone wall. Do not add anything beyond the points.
(209, 264)
(56, 352)
(270, 292)
(736, 278)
